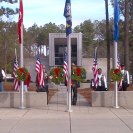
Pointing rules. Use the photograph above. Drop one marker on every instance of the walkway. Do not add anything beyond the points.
(60, 99)
(54, 119)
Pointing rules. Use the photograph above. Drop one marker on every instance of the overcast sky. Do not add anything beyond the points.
(45, 11)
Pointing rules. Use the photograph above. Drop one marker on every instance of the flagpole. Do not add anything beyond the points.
(69, 74)
(67, 15)
(22, 82)
(15, 54)
(21, 65)
(116, 35)
(116, 83)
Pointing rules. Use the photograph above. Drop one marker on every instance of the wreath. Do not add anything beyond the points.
(116, 74)
(57, 75)
(78, 74)
(22, 74)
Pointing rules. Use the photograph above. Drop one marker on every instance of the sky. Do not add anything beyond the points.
(45, 11)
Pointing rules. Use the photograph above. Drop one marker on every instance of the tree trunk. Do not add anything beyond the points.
(126, 36)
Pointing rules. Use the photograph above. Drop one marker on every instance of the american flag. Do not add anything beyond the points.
(118, 63)
(40, 72)
(119, 67)
(95, 68)
(65, 66)
(15, 67)
(38, 63)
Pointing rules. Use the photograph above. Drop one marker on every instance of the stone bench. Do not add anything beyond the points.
(106, 99)
(31, 99)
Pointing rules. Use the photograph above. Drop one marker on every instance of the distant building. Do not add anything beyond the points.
(58, 44)
(55, 52)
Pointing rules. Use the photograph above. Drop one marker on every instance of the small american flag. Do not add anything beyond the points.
(38, 63)
(40, 72)
(95, 68)
(15, 67)
(65, 66)
(119, 67)
(118, 63)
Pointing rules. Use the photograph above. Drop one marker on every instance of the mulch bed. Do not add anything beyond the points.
(51, 93)
(86, 93)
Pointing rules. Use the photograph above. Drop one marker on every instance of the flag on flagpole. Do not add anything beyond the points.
(118, 63)
(40, 72)
(65, 66)
(119, 67)
(20, 22)
(38, 63)
(95, 68)
(41, 76)
(16, 81)
(68, 16)
(116, 20)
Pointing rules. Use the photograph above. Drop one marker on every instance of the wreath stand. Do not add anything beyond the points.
(57, 96)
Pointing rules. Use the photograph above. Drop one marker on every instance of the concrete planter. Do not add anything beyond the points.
(106, 98)
(31, 99)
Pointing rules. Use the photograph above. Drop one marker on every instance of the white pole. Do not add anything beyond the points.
(115, 84)
(15, 54)
(21, 65)
(69, 74)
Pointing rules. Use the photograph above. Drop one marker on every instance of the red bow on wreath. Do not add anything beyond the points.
(116, 71)
(78, 71)
(57, 72)
(21, 70)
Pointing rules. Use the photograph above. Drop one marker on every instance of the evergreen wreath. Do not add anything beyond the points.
(78, 74)
(57, 75)
(115, 74)
(22, 74)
